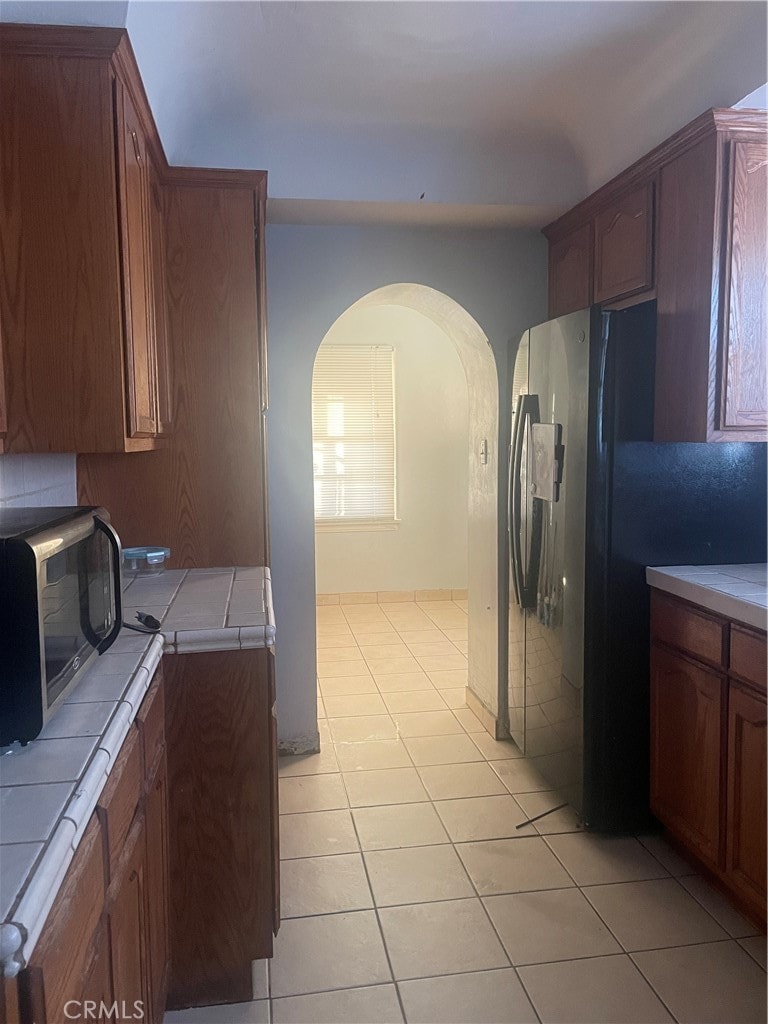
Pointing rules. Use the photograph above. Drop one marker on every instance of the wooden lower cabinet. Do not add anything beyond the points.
(158, 952)
(746, 801)
(127, 925)
(103, 952)
(222, 823)
(97, 988)
(168, 901)
(686, 713)
(708, 744)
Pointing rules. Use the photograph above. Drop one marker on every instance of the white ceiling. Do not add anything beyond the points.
(520, 106)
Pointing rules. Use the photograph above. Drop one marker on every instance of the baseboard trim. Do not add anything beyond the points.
(490, 722)
(390, 597)
(299, 745)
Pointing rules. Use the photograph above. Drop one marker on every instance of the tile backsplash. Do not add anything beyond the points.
(38, 480)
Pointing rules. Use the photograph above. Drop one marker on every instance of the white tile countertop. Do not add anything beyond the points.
(49, 788)
(738, 592)
(206, 609)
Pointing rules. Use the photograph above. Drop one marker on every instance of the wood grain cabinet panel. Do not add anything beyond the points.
(76, 255)
(688, 628)
(275, 799)
(119, 800)
(220, 771)
(624, 246)
(708, 745)
(106, 937)
(746, 800)
(136, 244)
(570, 272)
(688, 225)
(127, 924)
(157, 890)
(163, 370)
(748, 656)
(686, 711)
(151, 724)
(744, 344)
(3, 400)
(97, 987)
(59, 962)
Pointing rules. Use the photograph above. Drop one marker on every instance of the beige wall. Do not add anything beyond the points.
(428, 548)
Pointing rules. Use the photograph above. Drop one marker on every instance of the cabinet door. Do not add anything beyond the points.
(157, 890)
(744, 359)
(746, 817)
(686, 728)
(159, 310)
(97, 988)
(624, 246)
(3, 401)
(570, 272)
(137, 269)
(128, 924)
(275, 819)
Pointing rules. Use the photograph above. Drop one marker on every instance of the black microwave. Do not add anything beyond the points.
(60, 608)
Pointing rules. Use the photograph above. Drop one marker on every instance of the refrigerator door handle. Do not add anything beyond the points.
(527, 409)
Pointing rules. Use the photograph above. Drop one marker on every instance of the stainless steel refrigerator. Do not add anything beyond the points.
(592, 502)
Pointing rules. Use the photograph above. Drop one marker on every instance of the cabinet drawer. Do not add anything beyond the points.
(748, 654)
(151, 722)
(683, 627)
(59, 963)
(120, 797)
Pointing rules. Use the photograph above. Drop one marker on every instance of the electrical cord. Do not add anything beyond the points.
(149, 624)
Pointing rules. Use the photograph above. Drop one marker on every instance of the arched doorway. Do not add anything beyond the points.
(476, 357)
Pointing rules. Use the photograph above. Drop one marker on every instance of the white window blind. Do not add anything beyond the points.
(353, 432)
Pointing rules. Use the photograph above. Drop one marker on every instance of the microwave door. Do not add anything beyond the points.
(100, 587)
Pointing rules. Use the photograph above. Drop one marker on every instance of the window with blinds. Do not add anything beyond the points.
(353, 434)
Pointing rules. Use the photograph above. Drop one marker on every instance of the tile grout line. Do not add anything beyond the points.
(376, 909)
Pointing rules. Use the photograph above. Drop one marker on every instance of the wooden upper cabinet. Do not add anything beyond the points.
(570, 272)
(138, 284)
(686, 224)
(624, 246)
(744, 343)
(77, 279)
(163, 372)
(711, 360)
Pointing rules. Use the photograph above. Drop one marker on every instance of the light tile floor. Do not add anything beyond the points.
(410, 895)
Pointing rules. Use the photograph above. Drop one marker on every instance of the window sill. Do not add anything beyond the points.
(352, 526)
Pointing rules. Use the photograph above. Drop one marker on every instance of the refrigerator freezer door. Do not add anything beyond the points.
(554, 620)
(517, 544)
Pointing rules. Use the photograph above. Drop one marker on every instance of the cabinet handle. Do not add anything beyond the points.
(134, 875)
(136, 149)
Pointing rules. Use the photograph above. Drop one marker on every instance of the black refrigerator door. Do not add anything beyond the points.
(648, 504)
